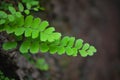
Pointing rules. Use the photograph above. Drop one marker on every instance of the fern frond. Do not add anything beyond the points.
(71, 47)
(38, 36)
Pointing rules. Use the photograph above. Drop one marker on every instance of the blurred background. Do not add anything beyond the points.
(96, 22)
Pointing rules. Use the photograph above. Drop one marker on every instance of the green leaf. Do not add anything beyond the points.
(69, 51)
(43, 36)
(34, 3)
(78, 43)
(20, 21)
(90, 53)
(9, 45)
(64, 41)
(92, 48)
(74, 51)
(19, 31)
(20, 7)
(43, 25)
(56, 42)
(27, 12)
(28, 5)
(2, 21)
(25, 46)
(28, 21)
(9, 29)
(44, 47)
(41, 64)
(28, 32)
(71, 41)
(35, 34)
(34, 48)
(56, 35)
(85, 46)
(42, 8)
(36, 23)
(11, 18)
(18, 14)
(36, 9)
(61, 50)
(12, 9)
(45, 67)
(50, 38)
(53, 49)
(25, 1)
(83, 53)
(3, 14)
(49, 30)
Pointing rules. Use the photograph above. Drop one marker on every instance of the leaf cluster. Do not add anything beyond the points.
(39, 63)
(37, 36)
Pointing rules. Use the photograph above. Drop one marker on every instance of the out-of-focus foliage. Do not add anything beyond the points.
(39, 63)
(3, 77)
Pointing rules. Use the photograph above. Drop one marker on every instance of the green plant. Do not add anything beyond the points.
(39, 63)
(36, 34)
(3, 77)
